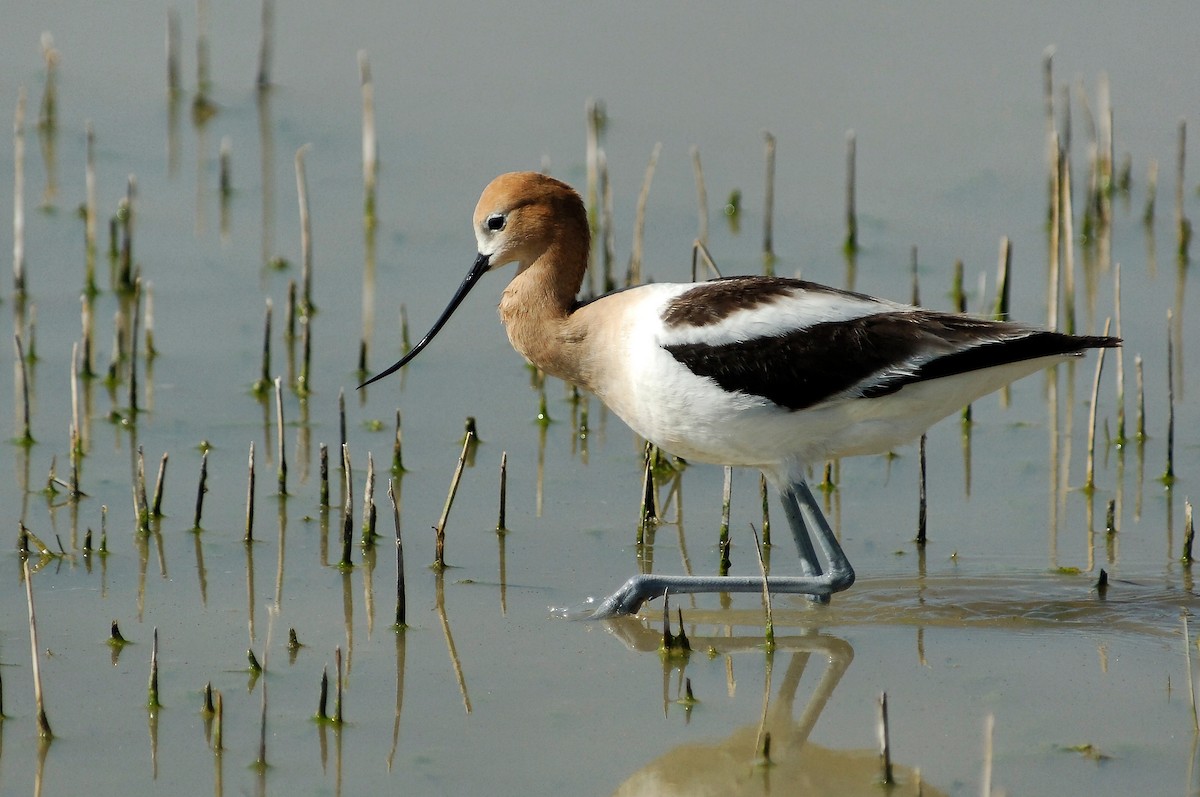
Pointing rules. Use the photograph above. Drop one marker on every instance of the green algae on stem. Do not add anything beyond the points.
(115, 638)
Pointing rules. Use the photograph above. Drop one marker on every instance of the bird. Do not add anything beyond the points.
(773, 373)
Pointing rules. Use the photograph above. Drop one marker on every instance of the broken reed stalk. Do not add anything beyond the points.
(850, 245)
(398, 448)
(263, 79)
(19, 196)
(766, 511)
(140, 504)
(152, 701)
(26, 437)
(249, 537)
(202, 489)
(306, 305)
(264, 378)
(1054, 277)
(347, 507)
(769, 631)
(608, 245)
(723, 540)
(133, 346)
(1151, 193)
(1141, 399)
(304, 381)
(1003, 290)
(401, 603)
(151, 350)
(218, 722)
(634, 275)
(1120, 355)
(368, 522)
(156, 506)
(43, 724)
(701, 196)
(405, 343)
(699, 250)
(1068, 246)
(342, 423)
(324, 494)
(1090, 483)
(323, 695)
(647, 512)
(594, 112)
(439, 560)
(769, 207)
(85, 322)
(885, 743)
(337, 705)
(922, 504)
(289, 312)
(1169, 476)
(89, 211)
(1189, 533)
(76, 445)
(1183, 227)
(281, 471)
(369, 149)
(500, 521)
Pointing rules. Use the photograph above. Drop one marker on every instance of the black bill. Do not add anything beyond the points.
(477, 270)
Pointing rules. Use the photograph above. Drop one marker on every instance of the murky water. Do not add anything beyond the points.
(487, 692)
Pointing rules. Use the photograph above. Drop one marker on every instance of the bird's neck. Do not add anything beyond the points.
(537, 306)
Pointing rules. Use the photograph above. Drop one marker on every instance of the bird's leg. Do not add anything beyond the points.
(803, 513)
(809, 565)
(841, 574)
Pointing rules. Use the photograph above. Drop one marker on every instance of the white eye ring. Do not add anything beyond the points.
(495, 222)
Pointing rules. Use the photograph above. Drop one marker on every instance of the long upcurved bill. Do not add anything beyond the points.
(479, 268)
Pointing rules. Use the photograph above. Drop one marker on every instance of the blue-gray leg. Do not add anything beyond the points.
(802, 513)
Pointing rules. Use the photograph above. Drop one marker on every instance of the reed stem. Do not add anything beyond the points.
(769, 207)
(885, 744)
(439, 560)
(249, 537)
(43, 724)
(280, 452)
(850, 245)
(401, 602)
(634, 275)
(202, 489)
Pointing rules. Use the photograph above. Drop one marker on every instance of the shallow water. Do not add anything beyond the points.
(487, 691)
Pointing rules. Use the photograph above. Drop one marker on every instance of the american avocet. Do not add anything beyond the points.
(772, 373)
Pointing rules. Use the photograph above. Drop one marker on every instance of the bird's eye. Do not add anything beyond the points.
(495, 222)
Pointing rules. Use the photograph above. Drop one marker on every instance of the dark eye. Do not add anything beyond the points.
(495, 222)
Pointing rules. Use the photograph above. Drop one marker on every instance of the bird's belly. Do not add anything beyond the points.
(694, 418)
